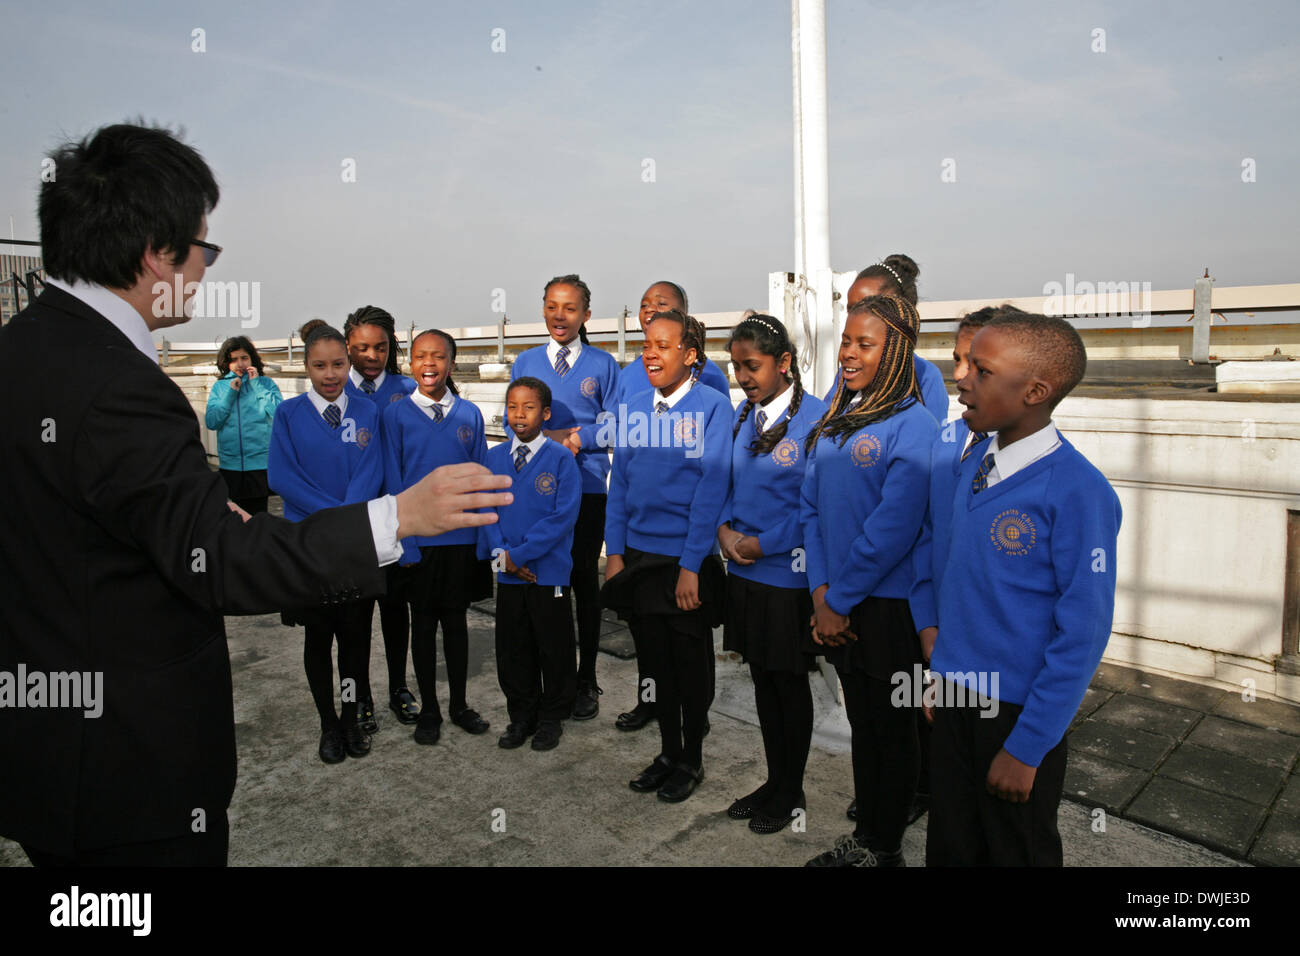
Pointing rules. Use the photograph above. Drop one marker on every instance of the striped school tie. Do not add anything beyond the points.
(521, 456)
(661, 408)
(332, 415)
(975, 439)
(981, 479)
(437, 411)
(761, 420)
(561, 366)
(367, 386)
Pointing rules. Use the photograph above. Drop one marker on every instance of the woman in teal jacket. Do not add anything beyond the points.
(241, 408)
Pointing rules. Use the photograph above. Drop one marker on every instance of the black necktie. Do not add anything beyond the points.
(661, 407)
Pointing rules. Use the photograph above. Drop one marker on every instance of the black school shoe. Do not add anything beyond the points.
(427, 731)
(636, 718)
(744, 808)
(587, 704)
(653, 776)
(846, 852)
(548, 735)
(469, 721)
(355, 741)
(331, 747)
(402, 703)
(516, 735)
(366, 717)
(681, 784)
(762, 822)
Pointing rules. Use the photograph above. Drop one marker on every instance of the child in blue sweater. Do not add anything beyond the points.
(661, 296)
(863, 500)
(896, 275)
(768, 605)
(325, 451)
(670, 479)
(434, 427)
(583, 381)
(1025, 602)
(372, 349)
(530, 548)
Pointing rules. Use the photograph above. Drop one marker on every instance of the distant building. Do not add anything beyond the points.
(21, 265)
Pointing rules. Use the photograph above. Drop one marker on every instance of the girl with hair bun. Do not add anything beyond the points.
(768, 605)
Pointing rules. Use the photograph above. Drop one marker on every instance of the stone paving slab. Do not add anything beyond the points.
(1136, 748)
(1183, 693)
(1224, 773)
(1279, 844)
(1271, 714)
(1144, 713)
(1096, 781)
(1266, 746)
(1093, 698)
(1114, 678)
(1220, 822)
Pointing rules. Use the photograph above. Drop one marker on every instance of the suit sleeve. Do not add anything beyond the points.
(1083, 537)
(147, 482)
(220, 401)
(712, 490)
(889, 532)
(549, 533)
(286, 474)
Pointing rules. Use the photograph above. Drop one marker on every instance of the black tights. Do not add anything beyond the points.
(677, 649)
(395, 623)
(318, 661)
(588, 537)
(424, 652)
(785, 717)
(886, 760)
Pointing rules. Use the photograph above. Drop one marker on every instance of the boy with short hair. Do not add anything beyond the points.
(1027, 595)
(530, 549)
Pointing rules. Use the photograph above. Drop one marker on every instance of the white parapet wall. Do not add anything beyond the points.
(1206, 486)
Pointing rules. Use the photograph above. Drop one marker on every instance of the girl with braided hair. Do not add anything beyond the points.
(672, 467)
(863, 501)
(371, 337)
(768, 605)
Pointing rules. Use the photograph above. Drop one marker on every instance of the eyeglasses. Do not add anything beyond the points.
(210, 251)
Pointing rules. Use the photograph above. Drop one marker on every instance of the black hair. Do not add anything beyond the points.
(373, 315)
(769, 337)
(118, 192)
(316, 331)
(1053, 346)
(692, 336)
(536, 384)
(681, 293)
(238, 342)
(894, 385)
(980, 317)
(573, 280)
(900, 273)
(451, 344)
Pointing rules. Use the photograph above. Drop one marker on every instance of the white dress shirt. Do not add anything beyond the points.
(773, 410)
(425, 403)
(534, 446)
(357, 378)
(677, 395)
(553, 351)
(1021, 454)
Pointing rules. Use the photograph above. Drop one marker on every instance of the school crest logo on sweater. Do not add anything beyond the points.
(865, 450)
(363, 437)
(395, 398)
(786, 452)
(545, 483)
(1013, 533)
(685, 431)
(588, 387)
(466, 435)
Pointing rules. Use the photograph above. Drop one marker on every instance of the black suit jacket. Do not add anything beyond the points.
(120, 556)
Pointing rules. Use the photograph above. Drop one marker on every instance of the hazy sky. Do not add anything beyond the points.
(478, 170)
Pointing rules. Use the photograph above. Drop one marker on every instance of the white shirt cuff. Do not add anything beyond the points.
(383, 525)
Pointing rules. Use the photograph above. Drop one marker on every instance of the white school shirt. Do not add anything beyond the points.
(357, 378)
(773, 410)
(553, 351)
(1021, 454)
(425, 404)
(676, 396)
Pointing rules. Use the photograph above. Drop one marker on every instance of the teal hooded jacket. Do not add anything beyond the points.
(242, 420)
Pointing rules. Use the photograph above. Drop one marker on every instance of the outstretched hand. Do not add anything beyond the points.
(449, 498)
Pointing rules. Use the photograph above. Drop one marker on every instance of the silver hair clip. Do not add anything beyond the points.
(766, 325)
(897, 277)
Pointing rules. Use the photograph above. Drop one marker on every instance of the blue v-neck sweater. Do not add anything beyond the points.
(1029, 590)
(394, 389)
(589, 388)
(313, 466)
(633, 379)
(414, 445)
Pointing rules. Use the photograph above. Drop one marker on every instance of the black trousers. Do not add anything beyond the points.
(886, 759)
(534, 645)
(969, 826)
(678, 649)
(210, 848)
(588, 538)
(350, 624)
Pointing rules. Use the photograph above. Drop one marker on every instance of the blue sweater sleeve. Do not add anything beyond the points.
(547, 534)
(933, 391)
(220, 402)
(925, 612)
(714, 485)
(814, 548)
(889, 532)
(716, 379)
(784, 536)
(607, 381)
(616, 505)
(1085, 526)
(286, 474)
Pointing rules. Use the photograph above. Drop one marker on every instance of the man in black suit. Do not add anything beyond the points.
(120, 553)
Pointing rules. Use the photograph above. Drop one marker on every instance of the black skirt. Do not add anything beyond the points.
(648, 585)
(887, 642)
(245, 484)
(448, 578)
(768, 625)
